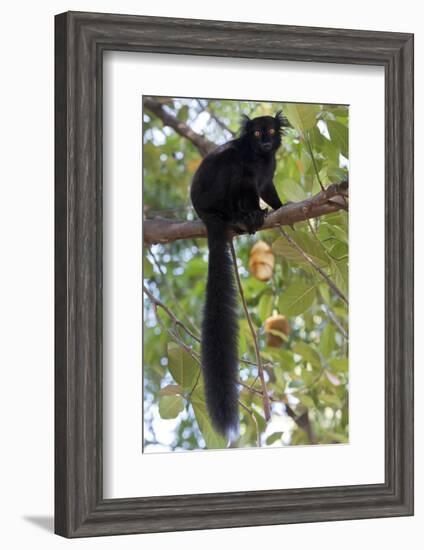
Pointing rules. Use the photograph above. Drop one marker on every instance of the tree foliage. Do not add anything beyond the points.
(305, 358)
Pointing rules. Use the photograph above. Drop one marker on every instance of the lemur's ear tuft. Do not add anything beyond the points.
(244, 124)
(282, 121)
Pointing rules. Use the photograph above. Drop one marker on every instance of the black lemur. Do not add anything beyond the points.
(225, 193)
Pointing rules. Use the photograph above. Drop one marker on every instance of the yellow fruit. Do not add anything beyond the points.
(262, 261)
(273, 325)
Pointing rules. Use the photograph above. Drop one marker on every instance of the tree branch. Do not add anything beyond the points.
(203, 145)
(162, 230)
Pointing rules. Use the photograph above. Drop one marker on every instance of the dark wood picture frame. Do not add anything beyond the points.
(80, 40)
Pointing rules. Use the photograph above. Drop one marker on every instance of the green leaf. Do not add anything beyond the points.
(306, 400)
(334, 172)
(340, 233)
(286, 359)
(276, 436)
(308, 244)
(340, 273)
(260, 420)
(245, 335)
(312, 247)
(296, 384)
(282, 247)
(170, 389)
(296, 299)
(170, 406)
(301, 116)
(330, 400)
(308, 377)
(308, 353)
(212, 438)
(339, 250)
(337, 218)
(326, 342)
(265, 306)
(195, 267)
(339, 363)
(293, 191)
(278, 356)
(147, 268)
(339, 135)
(183, 113)
(306, 162)
(182, 366)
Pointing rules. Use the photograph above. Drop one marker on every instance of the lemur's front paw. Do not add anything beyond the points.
(254, 220)
(260, 216)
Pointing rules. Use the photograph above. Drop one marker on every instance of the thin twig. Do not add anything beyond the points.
(176, 323)
(172, 316)
(195, 334)
(253, 364)
(214, 116)
(265, 397)
(254, 390)
(252, 385)
(313, 264)
(314, 233)
(308, 143)
(175, 337)
(195, 384)
(253, 417)
(335, 320)
(302, 422)
(304, 389)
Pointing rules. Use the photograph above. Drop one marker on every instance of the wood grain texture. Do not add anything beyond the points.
(80, 509)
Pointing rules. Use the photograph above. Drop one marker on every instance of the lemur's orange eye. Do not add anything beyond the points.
(257, 133)
(271, 131)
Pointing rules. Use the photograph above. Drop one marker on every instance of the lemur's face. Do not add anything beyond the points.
(264, 133)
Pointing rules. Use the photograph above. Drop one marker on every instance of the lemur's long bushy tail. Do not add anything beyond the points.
(220, 334)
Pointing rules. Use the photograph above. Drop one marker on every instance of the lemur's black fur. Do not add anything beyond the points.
(225, 193)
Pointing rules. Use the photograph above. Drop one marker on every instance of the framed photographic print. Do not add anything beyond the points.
(234, 274)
